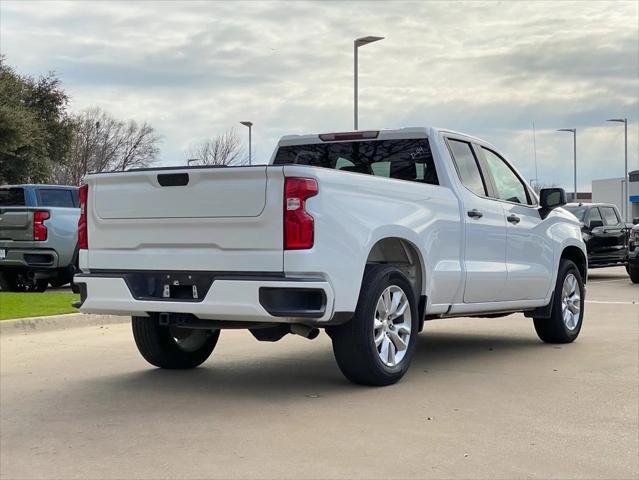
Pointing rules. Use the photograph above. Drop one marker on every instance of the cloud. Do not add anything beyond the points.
(195, 69)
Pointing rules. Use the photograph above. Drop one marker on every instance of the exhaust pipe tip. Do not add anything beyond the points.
(305, 331)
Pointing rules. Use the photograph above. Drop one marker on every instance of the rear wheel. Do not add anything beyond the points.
(12, 281)
(60, 282)
(377, 345)
(168, 346)
(633, 271)
(8, 282)
(567, 312)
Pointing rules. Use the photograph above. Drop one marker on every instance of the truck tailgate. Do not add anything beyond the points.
(16, 224)
(193, 219)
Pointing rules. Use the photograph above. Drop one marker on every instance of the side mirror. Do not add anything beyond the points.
(550, 198)
(595, 224)
(635, 221)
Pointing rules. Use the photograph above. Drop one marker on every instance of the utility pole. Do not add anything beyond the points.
(250, 126)
(360, 42)
(624, 188)
(574, 154)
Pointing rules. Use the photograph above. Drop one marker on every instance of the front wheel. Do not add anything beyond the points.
(377, 345)
(567, 311)
(172, 347)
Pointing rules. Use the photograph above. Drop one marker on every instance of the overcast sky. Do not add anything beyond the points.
(489, 69)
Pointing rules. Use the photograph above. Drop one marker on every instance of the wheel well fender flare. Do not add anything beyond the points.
(409, 241)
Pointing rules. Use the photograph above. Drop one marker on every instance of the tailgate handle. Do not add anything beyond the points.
(173, 179)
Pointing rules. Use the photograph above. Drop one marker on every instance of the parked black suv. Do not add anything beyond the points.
(605, 233)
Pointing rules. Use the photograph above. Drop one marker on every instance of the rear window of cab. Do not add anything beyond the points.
(12, 197)
(405, 159)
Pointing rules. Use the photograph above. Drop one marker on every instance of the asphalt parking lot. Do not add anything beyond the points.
(483, 398)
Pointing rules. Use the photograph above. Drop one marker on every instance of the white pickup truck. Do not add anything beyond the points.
(366, 234)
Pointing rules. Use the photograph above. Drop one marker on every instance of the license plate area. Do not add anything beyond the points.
(170, 287)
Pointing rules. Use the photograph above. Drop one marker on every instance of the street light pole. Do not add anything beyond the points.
(249, 125)
(574, 154)
(359, 42)
(625, 167)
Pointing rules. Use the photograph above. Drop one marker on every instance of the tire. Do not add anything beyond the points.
(358, 355)
(21, 282)
(59, 282)
(159, 346)
(564, 327)
(8, 282)
(633, 272)
(37, 286)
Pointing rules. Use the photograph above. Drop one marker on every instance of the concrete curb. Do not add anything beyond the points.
(26, 326)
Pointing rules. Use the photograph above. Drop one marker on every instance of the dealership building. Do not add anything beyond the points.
(610, 190)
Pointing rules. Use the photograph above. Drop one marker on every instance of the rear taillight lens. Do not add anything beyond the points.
(83, 236)
(39, 228)
(299, 228)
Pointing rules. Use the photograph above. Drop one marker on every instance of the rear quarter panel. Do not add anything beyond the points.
(354, 211)
(62, 233)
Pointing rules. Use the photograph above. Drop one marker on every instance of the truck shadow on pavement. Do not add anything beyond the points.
(300, 373)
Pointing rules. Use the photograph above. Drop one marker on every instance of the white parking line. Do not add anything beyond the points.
(612, 302)
(604, 281)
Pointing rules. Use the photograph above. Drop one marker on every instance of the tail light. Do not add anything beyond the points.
(299, 227)
(39, 228)
(83, 236)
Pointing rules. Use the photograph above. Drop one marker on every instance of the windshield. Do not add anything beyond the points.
(577, 211)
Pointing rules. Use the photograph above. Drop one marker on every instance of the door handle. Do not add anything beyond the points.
(474, 213)
(513, 219)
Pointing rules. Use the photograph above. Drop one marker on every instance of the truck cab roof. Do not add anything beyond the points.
(374, 134)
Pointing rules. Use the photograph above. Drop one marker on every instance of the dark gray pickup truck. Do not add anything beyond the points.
(38, 236)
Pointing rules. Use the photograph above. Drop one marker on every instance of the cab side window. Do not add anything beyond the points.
(609, 216)
(467, 166)
(594, 215)
(507, 184)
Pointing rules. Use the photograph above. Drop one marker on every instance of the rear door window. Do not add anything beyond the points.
(609, 216)
(467, 166)
(56, 197)
(405, 159)
(12, 197)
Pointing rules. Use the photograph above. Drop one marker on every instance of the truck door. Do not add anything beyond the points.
(594, 239)
(485, 229)
(529, 250)
(614, 235)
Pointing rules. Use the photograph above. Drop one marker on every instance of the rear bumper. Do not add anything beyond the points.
(37, 259)
(269, 299)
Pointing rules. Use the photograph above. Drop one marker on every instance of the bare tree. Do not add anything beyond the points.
(225, 149)
(102, 143)
(138, 147)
